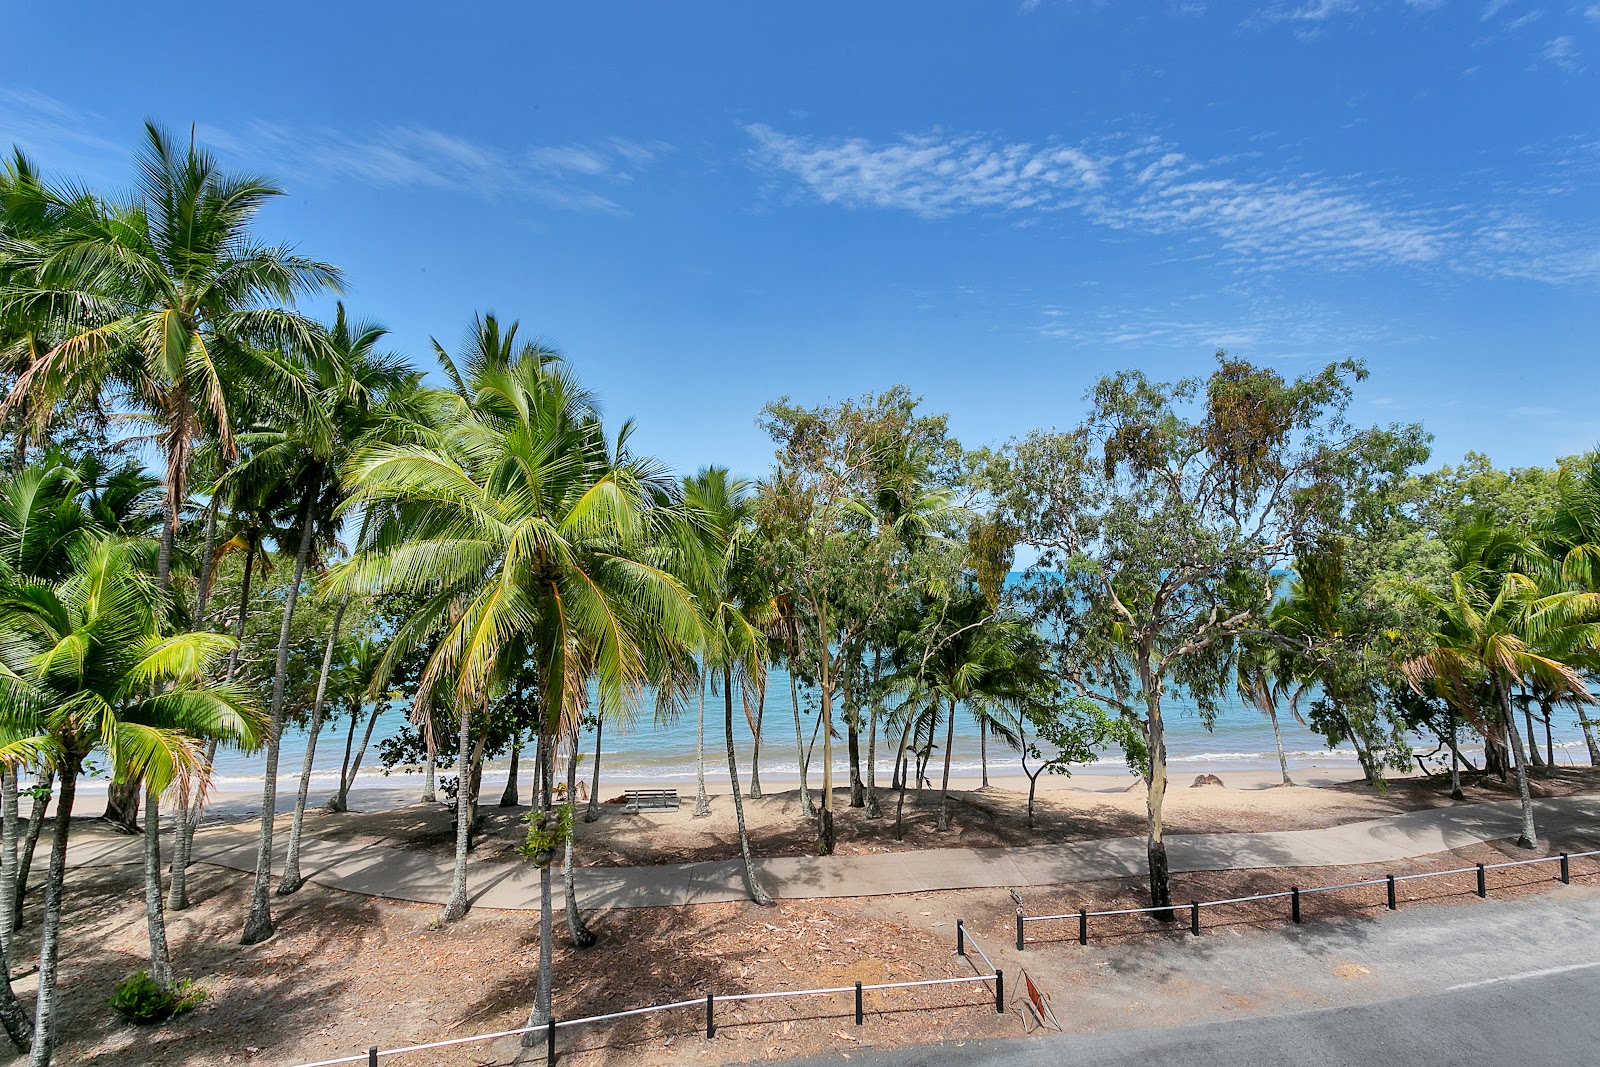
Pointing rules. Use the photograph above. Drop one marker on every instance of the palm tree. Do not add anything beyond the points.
(168, 300)
(1495, 628)
(85, 668)
(737, 613)
(1571, 537)
(1266, 678)
(526, 529)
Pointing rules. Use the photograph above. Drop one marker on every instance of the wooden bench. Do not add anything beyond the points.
(638, 800)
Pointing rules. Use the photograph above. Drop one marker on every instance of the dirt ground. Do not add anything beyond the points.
(346, 971)
(979, 818)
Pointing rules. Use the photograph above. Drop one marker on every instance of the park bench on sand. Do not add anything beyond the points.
(637, 800)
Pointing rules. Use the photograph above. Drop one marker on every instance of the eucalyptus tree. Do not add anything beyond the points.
(526, 528)
(1161, 522)
(1496, 628)
(86, 668)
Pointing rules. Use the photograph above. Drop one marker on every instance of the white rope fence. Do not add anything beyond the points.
(710, 1000)
(1083, 915)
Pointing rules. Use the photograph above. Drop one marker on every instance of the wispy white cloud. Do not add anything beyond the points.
(1235, 207)
(570, 177)
(1563, 52)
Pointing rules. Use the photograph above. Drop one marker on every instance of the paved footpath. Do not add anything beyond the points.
(380, 870)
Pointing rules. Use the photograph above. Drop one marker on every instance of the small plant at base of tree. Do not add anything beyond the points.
(543, 840)
(143, 1000)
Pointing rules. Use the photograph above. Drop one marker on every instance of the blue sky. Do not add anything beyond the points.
(709, 206)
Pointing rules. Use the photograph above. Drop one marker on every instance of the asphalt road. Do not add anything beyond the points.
(1504, 982)
(1533, 1018)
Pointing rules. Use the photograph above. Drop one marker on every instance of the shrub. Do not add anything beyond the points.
(141, 999)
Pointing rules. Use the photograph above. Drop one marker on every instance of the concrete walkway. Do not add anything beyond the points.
(383, 871)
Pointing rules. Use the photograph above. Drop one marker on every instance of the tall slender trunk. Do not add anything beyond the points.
(1588, 738)
(154, 919)
(755, 750)
(800, 758)
(944, 785)
(874, 808)
(852, 723)
(191, 801)
(751, 886)
(1549, 741)
(577, 929)
(540, 1013)
(983, 750)
(1455, 760)
(825, 832)
(702, 803)
(292, 879)
(9, 832)
(13, 1016)
(508, 795)
(347, 781)
(1277, 739)
(1533, 740)
(30, 841)
(44, 1003)
(258, 924)
(904, 774)
(592, 812)
(1155, 796)
(430, 772)
(1529, 837)
(336, 802)
(458, 904)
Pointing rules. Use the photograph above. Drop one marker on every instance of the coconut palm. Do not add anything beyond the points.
(737, 613)
(1571, 538)
(526, 532)
(84, 667)
(1269, 679)
(299, 460)
(167, 300)
(1496, 628)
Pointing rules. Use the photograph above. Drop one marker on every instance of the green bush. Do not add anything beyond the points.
(141, 999)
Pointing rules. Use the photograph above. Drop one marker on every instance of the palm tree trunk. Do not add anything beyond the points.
(592, 812)
(458, 904)
(755, 750)
(44, 1003)
(1455, 760)
(807, 809)
(122, 807)
(944, 786)
(337, 801)
(874, 809)
(155, 921)
(8, 856)
(1588, 739)
(258, 924)
(508, 795)
(13, 1017)
(540, 1014)
(900, 803)
(983, 750)
(1549, 741)
(1533, 740)
(30, 841)
(1277, 739)
(702, 803)
(292, 879)
(1530, 836)
(581, 936)
(347, 782)
(751, 886)
(430, 772)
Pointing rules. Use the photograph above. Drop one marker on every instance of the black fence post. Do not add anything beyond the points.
(961, 937)
(1566, 871)
(550, 1040)
(711, 1020)
(1194, 917)
(1083, 926)
(1019, 929)
(372, 1056)
(1294, 904)
(1392, 903)
(861, 1013)
(999, 992)
(1483, 886)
